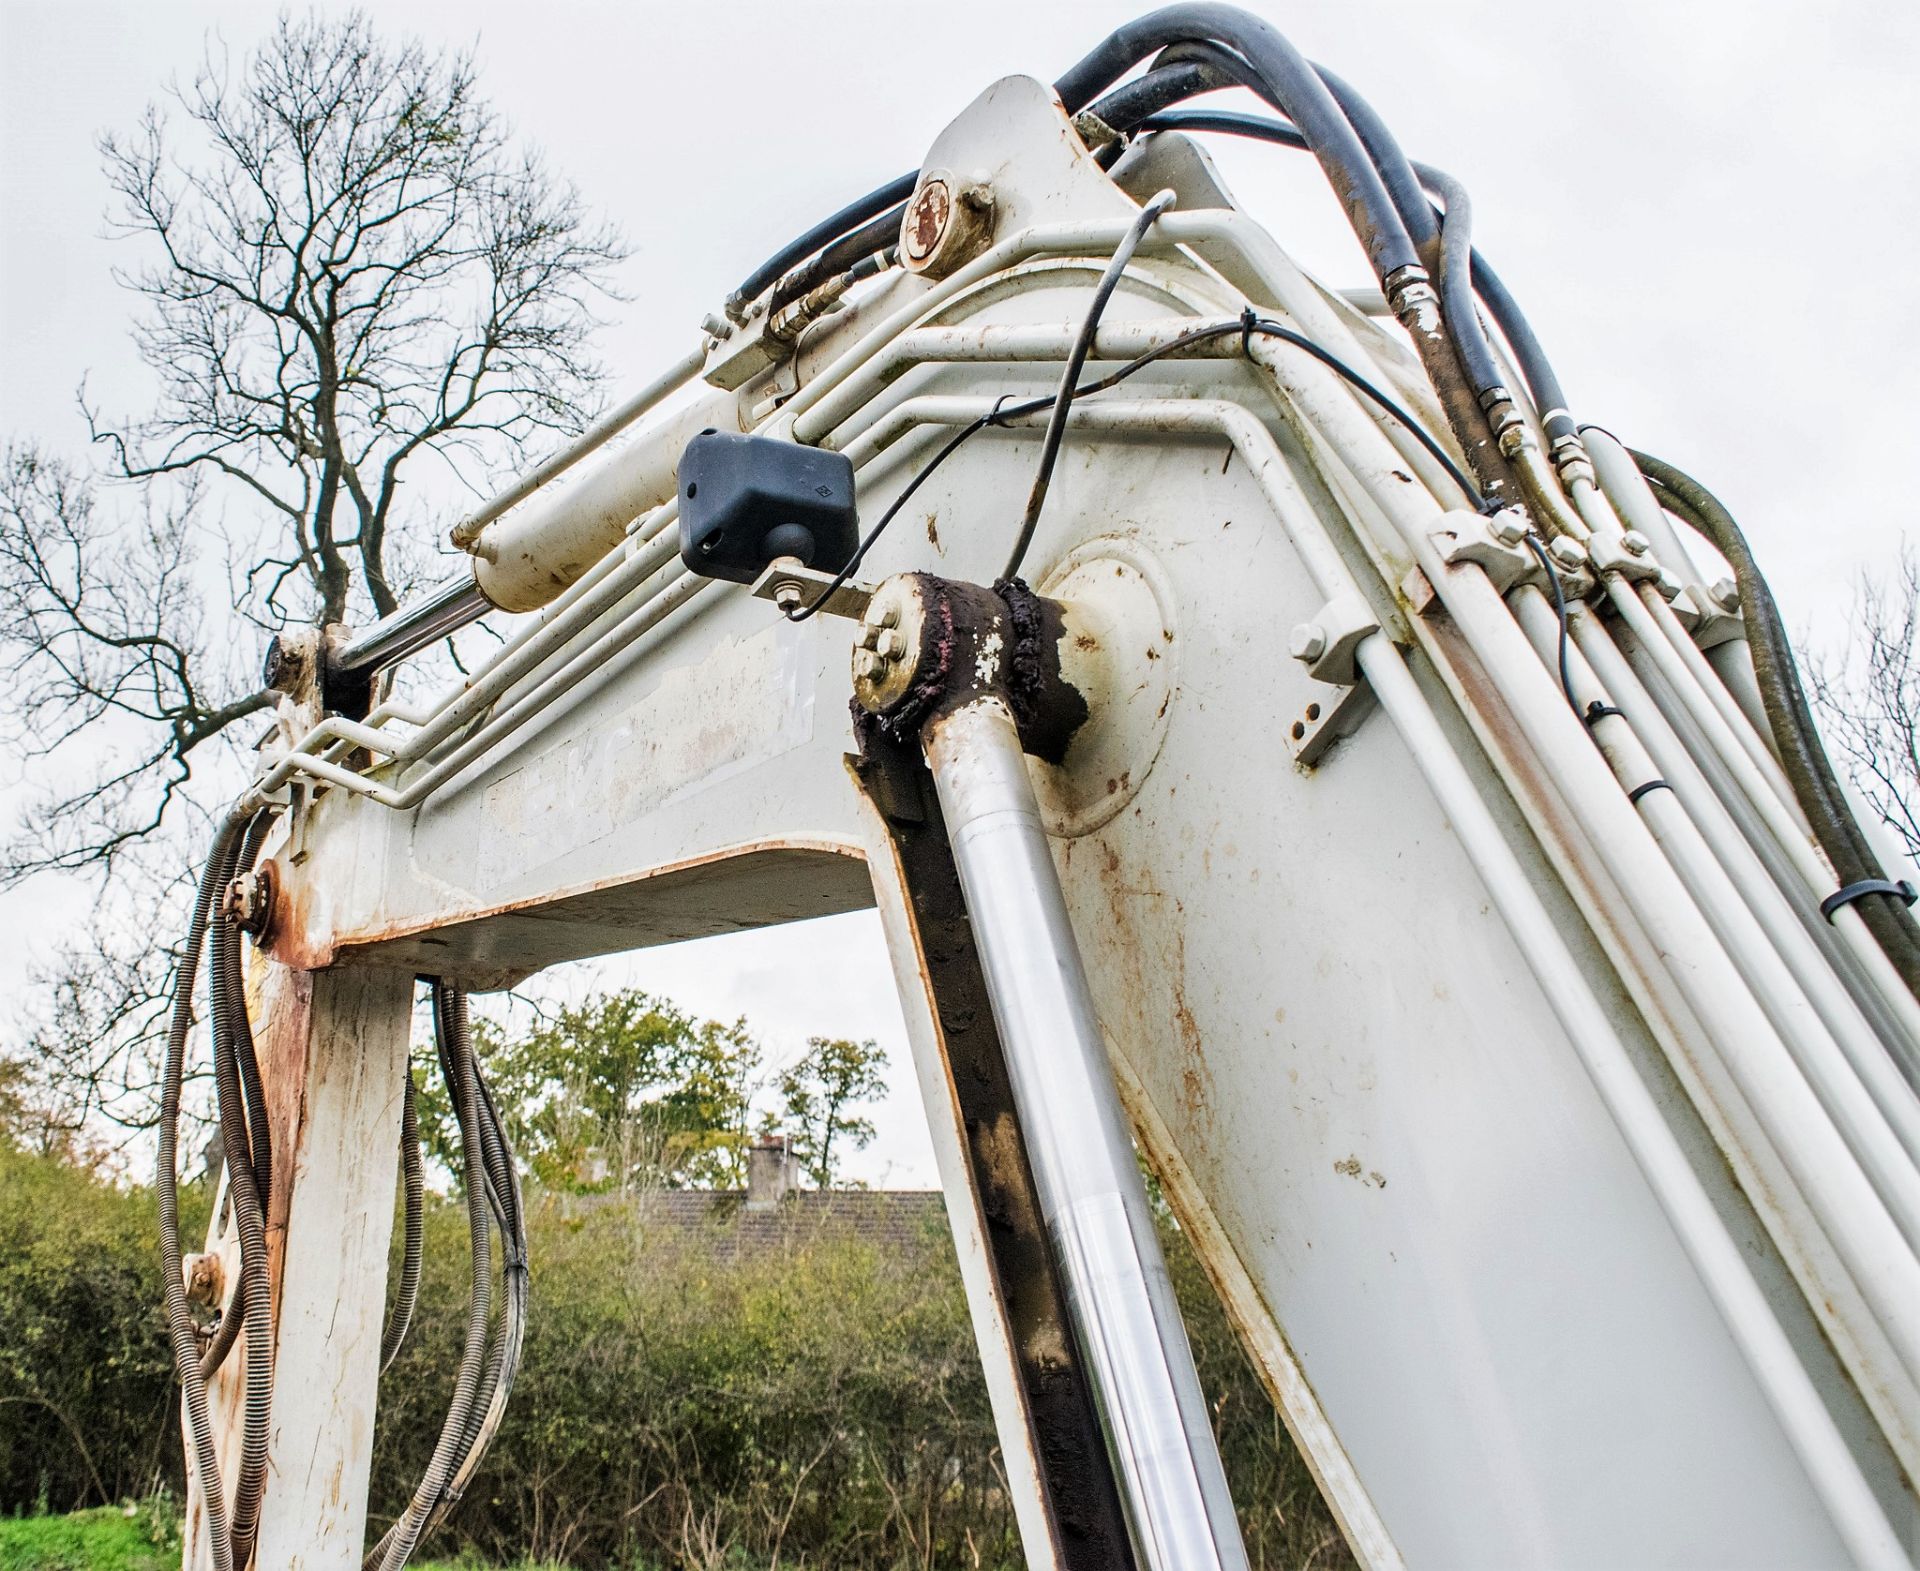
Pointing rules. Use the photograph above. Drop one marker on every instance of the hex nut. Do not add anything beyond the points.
(886, 663)
(1567, 552)
(1507, 526)
(1635, 544)
(1309, 641)
(1725, 594)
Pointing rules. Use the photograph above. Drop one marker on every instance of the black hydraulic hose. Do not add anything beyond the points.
(821, 235)
(456, 1058)
(1455, 282)
(1542, 384)
(1396, 173)
(1230, 122)
(256, 1288)
(840, 257)
(259, 1131)
(1182, 72)
(1790, 719)
(413, 1248)
(1284, 78)
(180, 1329)
(503, 1365)
(1537, 370)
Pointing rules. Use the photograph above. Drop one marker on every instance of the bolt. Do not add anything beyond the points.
(1635, 544)
(715, 326)
(1507, 526)
(891, 645)
(889, 616)
(1567, 552)
(867, 665)
(1725, 593)
(788, 594)
(1309, 641)
(869, 636)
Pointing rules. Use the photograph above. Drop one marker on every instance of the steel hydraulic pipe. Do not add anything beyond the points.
(1743, 933)
(1723, 1270)
(1832, 1228)
(1119, 1297)
(647, 558)
(1794, 940)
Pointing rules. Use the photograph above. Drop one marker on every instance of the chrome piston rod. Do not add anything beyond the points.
(1119, 1296)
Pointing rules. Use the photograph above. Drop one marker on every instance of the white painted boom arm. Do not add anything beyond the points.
(1546, 1146)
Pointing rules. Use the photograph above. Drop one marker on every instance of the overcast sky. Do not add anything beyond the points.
(1709, 210)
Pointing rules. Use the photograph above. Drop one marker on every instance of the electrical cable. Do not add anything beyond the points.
(1560, 612)
(1247, 325)
(1795, 737)
(1070, 374)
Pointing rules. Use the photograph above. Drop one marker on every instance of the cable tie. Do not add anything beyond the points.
(1901, 889)
(1645, 786)
(1597, 711)
(1249, 320)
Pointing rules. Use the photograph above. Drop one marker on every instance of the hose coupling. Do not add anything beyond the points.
(1570, 461)
(1410, 295)
(248, 901)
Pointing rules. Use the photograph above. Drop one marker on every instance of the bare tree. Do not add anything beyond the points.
(1869, 695)
(349, 268)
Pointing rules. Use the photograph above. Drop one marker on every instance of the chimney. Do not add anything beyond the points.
(771, 1173)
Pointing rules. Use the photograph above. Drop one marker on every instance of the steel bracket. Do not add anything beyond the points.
(786, 581)
(1495, 545)
(1325, 721)
(1326, 645)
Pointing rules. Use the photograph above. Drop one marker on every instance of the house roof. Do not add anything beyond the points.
(906, 1220)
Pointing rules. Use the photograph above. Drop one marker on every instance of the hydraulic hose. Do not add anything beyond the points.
(1457, 358)
(503, 1366)
(1790, 719)
(180, 1329)
(822, 234)
(413, 1182)
(1543, 384)
(228, 1018)
(454, 1041)
(1284, 78)
(840, 257)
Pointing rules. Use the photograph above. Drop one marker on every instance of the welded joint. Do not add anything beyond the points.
(1326, 645)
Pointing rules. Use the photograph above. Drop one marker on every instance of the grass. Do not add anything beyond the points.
(112, 1538)
(138, 1538)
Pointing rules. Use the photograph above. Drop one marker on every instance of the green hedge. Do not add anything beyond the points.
(819, 1404)
(86, 1376)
